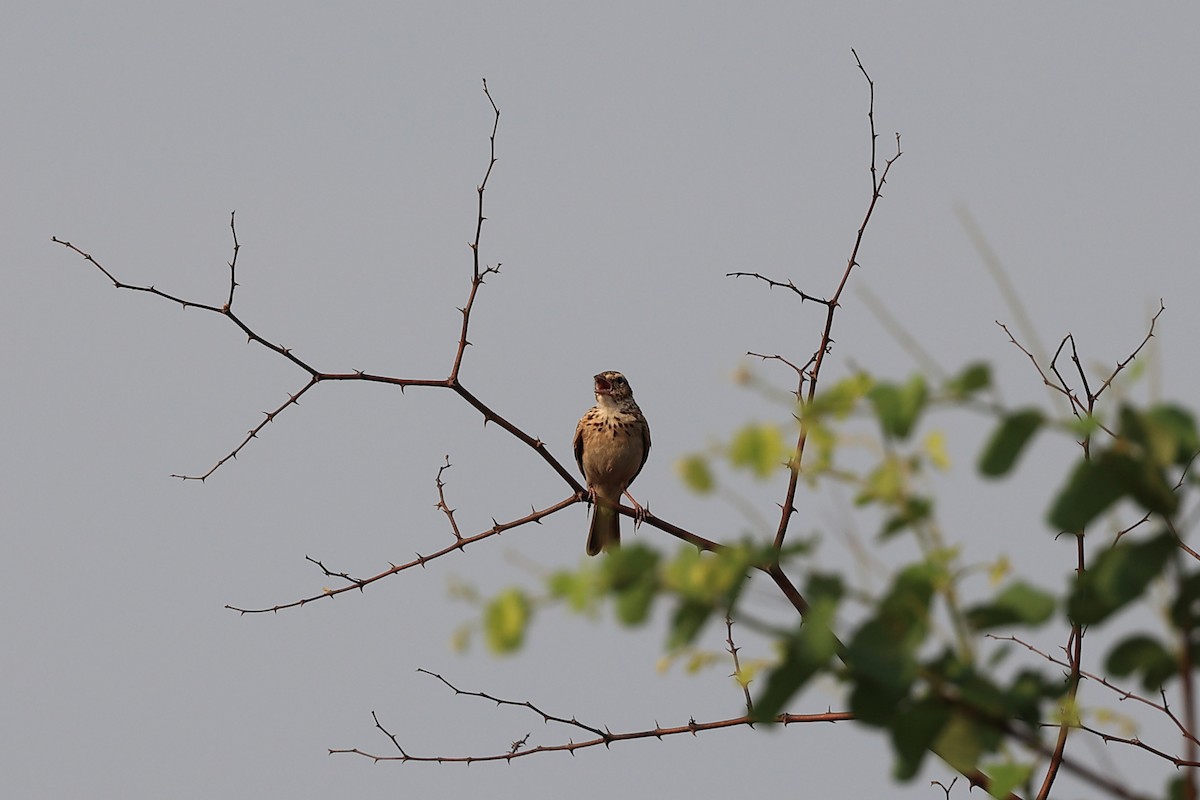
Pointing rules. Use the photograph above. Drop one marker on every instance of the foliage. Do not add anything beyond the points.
(896, 668)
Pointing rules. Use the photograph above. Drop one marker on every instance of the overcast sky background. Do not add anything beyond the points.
(645, 151)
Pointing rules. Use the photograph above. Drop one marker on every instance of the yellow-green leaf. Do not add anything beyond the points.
(758, 448)
(696, 474)
(505, 620)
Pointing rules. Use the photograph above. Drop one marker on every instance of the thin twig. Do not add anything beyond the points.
(878, 179)
(441, 503)
(601, 735)
(737, 675)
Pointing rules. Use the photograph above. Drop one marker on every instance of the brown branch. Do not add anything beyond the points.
(801, 372)
(478, 272)
(733, 650)
(1122, 364)
(420, 561)
(1074, 650)
(600, 735)
(1080, 771)
(878, 179)
(1076, 406)
(811, 373)
(453, 383)
(1033, 360)
(774, 283)
(441, 503)
(1188, 688)
(233, 260)
(1138, 743)
(1125, 694)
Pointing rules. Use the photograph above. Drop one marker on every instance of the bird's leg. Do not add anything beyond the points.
(639, 513)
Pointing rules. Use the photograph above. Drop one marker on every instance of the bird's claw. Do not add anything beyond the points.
(639, 513)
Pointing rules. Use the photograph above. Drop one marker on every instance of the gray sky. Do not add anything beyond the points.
(644, 151)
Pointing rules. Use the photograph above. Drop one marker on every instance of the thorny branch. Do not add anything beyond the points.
(441, 503)
(480, 271)
(811, 372)
(1088, 404)
(737, 675)
(599, 735)
(1084, 405)
(1124, 694)
(420, 560)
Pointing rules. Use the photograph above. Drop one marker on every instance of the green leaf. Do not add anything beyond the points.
(1091, 488)
(912, 510)
(898, 407)
(824, 587)
(882, 655)
(505, 620)
(1028, 690)
(1096, 484)
(1178, 426)
(841, 398)
(1145, 479)
(713, 578)
(1019, 604)
(807, 651)
(973, 378)
(1014, 433)
(914, 731)
(633, 602)
(886, 484)
(578, 589)
(1185, 610)
(687, 622)
(1006, 776)
(1144, 655)
(629, 565)
(1119, 576)
(758, 448)
(963, 741)
(630, 573)
(696, 474)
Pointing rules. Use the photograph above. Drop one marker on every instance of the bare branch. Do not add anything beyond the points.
(1124, 694)
(878, 179)
(781, 284)
(733, 650)
(1122, 364)
(441, 503)
(419, 561)
(478, 271)
(600, 735)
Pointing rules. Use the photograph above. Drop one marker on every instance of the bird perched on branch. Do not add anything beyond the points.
(612, 441)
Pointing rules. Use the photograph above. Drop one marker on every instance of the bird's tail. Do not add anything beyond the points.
(605, 531)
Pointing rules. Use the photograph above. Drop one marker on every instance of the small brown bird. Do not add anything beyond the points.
(612, 442)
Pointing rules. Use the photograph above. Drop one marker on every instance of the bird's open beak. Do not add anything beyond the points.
(602, 386)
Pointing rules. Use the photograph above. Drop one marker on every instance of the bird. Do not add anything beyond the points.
(612, 441)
